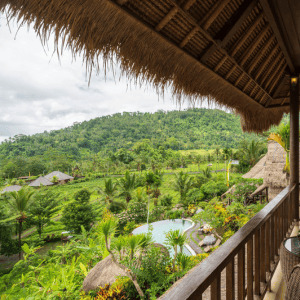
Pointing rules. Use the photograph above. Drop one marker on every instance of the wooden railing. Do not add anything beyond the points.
(244, 265)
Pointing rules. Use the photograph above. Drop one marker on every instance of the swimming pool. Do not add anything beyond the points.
(161, 228)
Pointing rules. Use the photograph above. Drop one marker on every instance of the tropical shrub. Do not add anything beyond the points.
(156, 214)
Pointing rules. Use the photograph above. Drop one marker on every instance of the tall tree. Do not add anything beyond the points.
(19, 202)
(127, 184)
(109, 190)
(183, 183)
(42, 209)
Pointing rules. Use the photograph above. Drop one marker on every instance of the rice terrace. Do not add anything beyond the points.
(149, 149)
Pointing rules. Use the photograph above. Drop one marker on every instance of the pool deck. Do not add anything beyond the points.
(191, 243)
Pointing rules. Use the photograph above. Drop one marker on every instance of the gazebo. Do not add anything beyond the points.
(244, 54)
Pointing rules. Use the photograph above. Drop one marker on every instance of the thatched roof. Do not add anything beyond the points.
(41, 181)
(11, 188)
(105, 272)
(258, 170)
(230, 51)
(60, 176)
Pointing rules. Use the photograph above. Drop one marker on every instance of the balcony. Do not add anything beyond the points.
(247, 265)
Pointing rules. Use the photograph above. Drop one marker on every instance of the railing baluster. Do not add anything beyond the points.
(262, 254)
(230, 280)
(268, 247)
(276, 233)
(250, 269)
(215, 289)
(272, 244)
(257, 263)
(241, 274)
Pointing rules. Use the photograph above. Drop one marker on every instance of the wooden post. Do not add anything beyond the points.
(294, 143)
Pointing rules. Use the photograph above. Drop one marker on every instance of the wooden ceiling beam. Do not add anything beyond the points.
(122, 2)
(269, 12)
(279, 72)
(189, 37)
(240, 42)
(266, 62)
(213, 13)
(166, 19)
(188, 4)
(260, 54)
(235, 22)
(255, 43)
(220, 63)
(280, 86)
(278, 61)
(278, 105)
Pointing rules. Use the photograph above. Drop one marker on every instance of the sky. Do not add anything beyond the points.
(40, 92)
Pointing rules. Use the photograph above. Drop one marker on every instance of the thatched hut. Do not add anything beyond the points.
(11, 188)
(61, 177)
(104, 272)
(41, 181)
(271, 169)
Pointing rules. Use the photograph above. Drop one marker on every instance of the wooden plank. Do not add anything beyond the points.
(213, 13)
(270, 72)
(166, 19)
(241, 274)
(220, 63)
(215, 291)
(235, 22)
(250, 269)
(230, 287)
(122, 2)
(277, 32)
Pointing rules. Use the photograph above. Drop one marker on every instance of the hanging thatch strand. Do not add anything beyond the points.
(101, 29)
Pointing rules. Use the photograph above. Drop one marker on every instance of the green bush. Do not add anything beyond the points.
(156, 214)
(166, 200)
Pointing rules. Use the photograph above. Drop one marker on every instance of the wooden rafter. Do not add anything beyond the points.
(265, 63)
(189, 36)
(122, 2)
(277, 75)
(188, 4)
(166, 19)
(240, 42)
(220, 63)
(260, 54)
(213, 13)
(277, 32)
(279, 87)
(255, 43)
(235, 22)
(279, 60)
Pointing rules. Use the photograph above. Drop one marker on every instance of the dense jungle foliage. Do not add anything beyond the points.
(188, 129)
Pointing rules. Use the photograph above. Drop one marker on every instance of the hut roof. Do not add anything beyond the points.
(59, 175)
(238, 52)
(11, 188)
(41, 181)
(104, 272)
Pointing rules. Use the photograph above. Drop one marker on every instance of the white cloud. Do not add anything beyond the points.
(37, 92)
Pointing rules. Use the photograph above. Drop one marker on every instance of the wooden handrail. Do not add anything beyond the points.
(197, 280)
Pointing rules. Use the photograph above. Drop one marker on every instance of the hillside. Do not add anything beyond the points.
(177, 130)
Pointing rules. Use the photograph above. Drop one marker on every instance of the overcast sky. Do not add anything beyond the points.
(37, 92)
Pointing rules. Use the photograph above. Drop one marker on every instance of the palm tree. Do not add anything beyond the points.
(251, 151)
(108, 228)
(109, 190)
(154, 180)
(183, 184)
(176, 239)
(282, 137)
(19, 202)
(127, 184)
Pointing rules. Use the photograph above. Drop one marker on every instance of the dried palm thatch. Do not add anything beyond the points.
(101, 29)
(105, 272)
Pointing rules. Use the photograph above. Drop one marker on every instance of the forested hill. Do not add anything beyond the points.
(188, 129)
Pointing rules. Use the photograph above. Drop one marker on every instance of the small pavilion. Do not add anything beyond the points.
(243, 54)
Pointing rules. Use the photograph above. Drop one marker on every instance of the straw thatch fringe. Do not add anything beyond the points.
(99, 28)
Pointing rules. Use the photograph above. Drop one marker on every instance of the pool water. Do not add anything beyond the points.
(161, 228)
